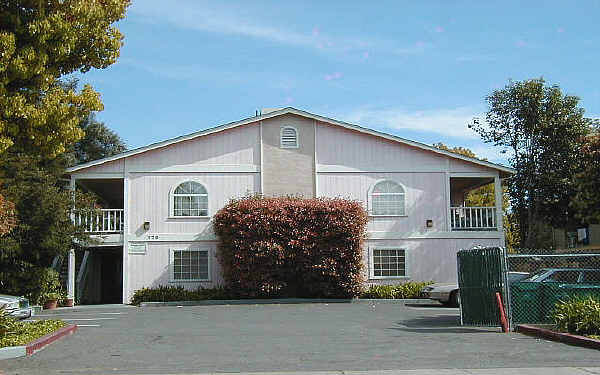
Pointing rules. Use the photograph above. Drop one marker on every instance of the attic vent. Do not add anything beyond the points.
(289, 137)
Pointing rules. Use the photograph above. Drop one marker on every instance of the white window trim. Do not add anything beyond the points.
(281, 145)
(172, 264)
(370, 199)
(372, 263)
(172, 201)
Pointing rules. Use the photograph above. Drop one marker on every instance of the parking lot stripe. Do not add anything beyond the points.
(70, 319)
(76, 313)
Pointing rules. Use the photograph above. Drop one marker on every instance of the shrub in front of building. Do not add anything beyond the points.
(291, 247)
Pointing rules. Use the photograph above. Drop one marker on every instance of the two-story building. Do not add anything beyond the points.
(158, 201)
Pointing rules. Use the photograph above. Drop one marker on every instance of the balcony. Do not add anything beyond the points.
(473, 218)
(103, 221)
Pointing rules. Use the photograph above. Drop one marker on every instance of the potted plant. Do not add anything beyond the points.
(51, 300)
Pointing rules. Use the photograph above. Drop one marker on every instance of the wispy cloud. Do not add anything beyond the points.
(332, 76)
(445, 122)
(220, 19)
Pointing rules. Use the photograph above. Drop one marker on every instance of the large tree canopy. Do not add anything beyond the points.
(540, 127)
(40, 42)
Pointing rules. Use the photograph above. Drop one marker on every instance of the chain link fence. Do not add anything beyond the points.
(538, 280)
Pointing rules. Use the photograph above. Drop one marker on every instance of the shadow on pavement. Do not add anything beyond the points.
(439, 324)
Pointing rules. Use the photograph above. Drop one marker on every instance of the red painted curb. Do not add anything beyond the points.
(567, 338)
(42, 342)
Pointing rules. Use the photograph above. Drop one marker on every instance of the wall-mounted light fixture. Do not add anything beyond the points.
(429, 223)
(146, 225)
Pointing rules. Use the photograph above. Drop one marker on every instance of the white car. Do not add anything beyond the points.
(17, 307)
(449, 294)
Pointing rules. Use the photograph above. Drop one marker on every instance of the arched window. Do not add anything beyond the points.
(190, 199)
(387, 198)
(288, 137)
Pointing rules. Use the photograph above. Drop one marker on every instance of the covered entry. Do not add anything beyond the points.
(99, 277)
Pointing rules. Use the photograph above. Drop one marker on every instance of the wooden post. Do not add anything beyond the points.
(499, 212)
(71, 275)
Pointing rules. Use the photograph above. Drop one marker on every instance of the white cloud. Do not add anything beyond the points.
(218, 18)
(445, 122)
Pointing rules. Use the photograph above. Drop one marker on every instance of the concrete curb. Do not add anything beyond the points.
(567, 338)
(283, 301)
(36, 345)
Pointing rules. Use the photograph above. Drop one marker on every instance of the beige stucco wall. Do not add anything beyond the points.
(288, 171)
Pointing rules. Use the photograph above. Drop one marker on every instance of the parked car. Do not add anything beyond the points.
(535, 297)
(449, 293)
(17, 307)
(566, 276)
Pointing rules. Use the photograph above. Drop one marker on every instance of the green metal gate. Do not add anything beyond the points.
(482, 273)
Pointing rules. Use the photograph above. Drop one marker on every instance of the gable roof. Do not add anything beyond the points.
(293, 111)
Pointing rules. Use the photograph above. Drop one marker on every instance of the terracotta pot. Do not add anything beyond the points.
(50, 304)
(69, 302)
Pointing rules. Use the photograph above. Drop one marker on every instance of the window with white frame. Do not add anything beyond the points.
(190, 198)
(288, 137)
(388, 198)
(189, 265)
(388, 262)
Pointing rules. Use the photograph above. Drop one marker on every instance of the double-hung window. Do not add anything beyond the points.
(388, 263)
(190, 264)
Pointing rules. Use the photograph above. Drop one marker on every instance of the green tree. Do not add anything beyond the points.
(43, 211)
(40, 42)
(539, 127)
(586, 200)
(97, 143)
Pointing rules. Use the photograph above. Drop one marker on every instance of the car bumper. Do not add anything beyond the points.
(21, 313)
(437, 296)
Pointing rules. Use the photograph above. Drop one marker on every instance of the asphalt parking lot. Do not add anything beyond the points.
(278, 338)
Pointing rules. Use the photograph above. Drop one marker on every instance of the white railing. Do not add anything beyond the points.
(473, 218)
(105, 221)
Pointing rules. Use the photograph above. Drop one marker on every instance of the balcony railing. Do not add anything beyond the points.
(101, 221)
(473, 218)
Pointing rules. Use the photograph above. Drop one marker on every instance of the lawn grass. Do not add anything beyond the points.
(21, 333)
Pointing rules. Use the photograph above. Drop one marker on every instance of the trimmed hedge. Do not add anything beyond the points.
(411, 289)
(15, 333)
(578, 315)
(178, 293)
(291, 247)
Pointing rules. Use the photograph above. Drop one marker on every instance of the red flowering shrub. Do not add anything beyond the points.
(291, 247)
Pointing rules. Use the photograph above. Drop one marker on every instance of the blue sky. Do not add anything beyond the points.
(420, 70)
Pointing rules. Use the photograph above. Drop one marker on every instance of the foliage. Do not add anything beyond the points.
(97, 143)
(291, 247)
(42, 41)
(43, 206)
(539, 127)
(44, 229)
(170, 293)
(578, 315)
(586, 201)
(411, 289)
(8, 216)
(38, 284)
(15, 333)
